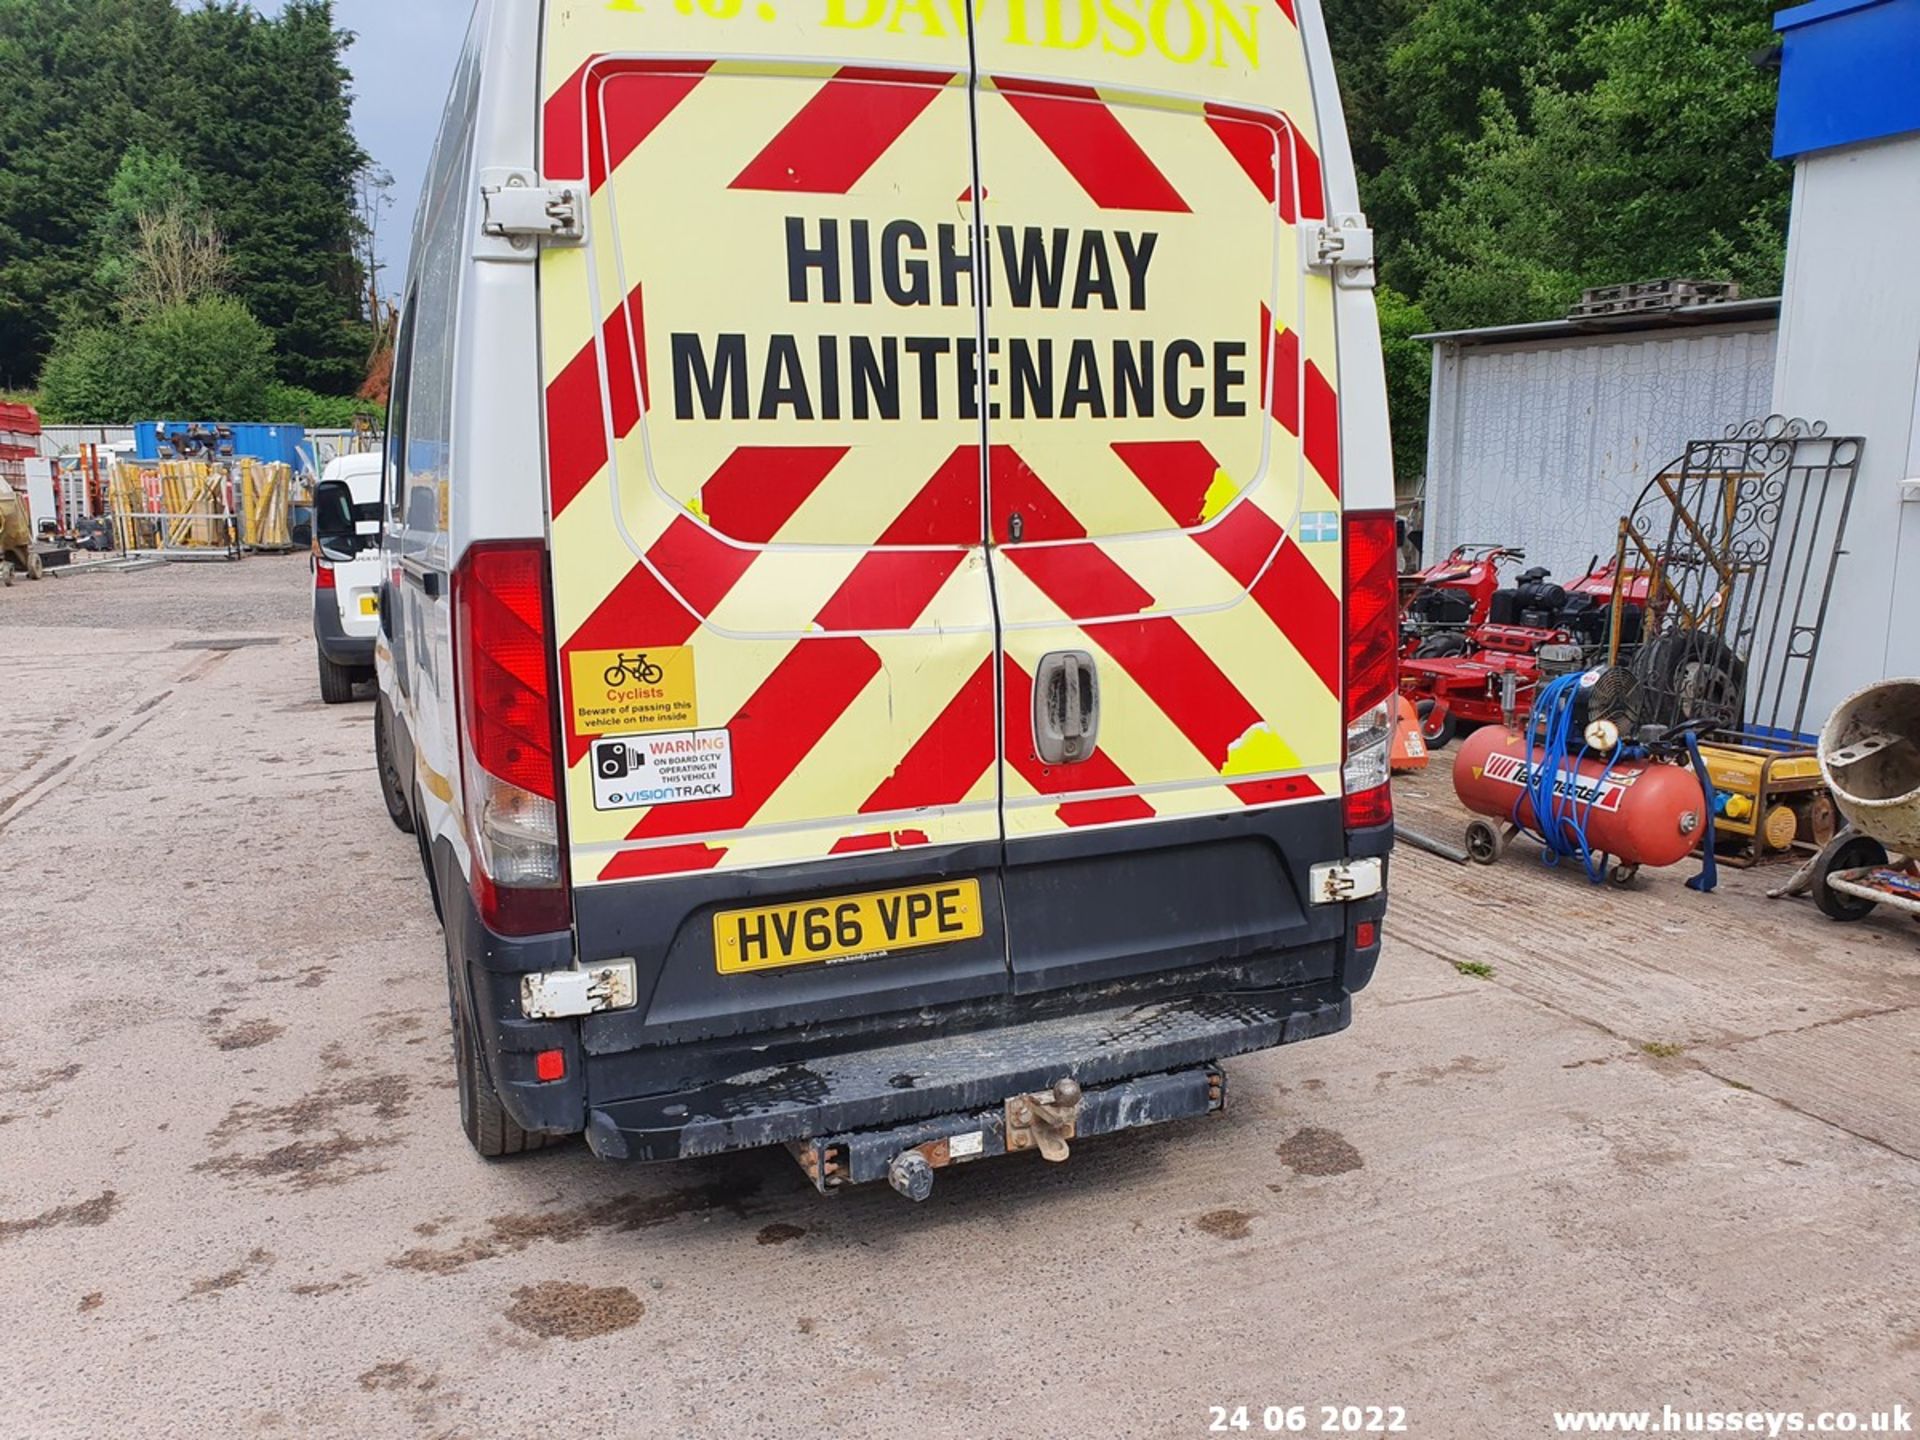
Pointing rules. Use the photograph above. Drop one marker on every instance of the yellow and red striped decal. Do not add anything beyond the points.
(764, 443)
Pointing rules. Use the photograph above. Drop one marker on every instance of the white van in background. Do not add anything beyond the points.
(889, 621)
(346, 573)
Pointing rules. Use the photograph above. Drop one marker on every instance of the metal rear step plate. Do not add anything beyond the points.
(952, 1081)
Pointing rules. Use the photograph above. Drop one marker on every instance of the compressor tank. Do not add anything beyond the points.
(1643, 814)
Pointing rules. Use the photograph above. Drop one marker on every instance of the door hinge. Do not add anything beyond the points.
(1343, 880)
(1344, 245)
(519, 214)
(559, 994)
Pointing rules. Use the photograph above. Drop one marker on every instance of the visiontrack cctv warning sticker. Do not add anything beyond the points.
(631, 772)
(621, 691)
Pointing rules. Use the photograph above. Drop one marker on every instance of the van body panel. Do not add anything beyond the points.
(908, 350)
(768, 559)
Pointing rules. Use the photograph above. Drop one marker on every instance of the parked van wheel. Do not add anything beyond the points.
(492, 1132)
(336, 682)
(393, 785)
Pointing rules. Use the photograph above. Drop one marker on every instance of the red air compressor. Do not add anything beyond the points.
(1574, 779)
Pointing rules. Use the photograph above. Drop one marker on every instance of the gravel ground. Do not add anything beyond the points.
(1661, 1151)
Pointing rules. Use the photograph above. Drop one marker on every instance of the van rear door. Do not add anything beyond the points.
(772, 600)
(1164, 486)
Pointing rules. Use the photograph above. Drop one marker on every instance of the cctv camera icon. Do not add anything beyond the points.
(614, 761)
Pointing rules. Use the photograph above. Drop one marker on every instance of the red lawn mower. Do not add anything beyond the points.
(1488, 669)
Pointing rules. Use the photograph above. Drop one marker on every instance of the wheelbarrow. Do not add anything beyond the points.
(1870, 758)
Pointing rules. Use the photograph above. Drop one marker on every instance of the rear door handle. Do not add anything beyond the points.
(1066, 707)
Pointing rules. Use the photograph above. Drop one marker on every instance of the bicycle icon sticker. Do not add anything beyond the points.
(632, 690)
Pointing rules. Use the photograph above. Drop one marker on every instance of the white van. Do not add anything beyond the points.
(889, 632)
(346, 573)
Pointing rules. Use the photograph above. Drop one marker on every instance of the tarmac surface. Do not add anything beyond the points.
(1665, 1150)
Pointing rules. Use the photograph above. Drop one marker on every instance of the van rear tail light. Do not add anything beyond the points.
(323, 577)
(1372, 595)
(512, 784)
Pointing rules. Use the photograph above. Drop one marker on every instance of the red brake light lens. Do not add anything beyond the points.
(1373, 621)
(324, 578)
(512, 789)
(1372, 662)
(499, 595)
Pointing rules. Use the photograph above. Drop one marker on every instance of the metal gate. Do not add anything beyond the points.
(1739, 540)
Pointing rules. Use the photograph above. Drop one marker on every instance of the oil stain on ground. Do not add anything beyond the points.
(309, 1161)
(1313, 1151)
(257, 1259)
(559, 1309)
(247, 1034)
(779, 1233)
(87, 1213)
(1226, 1224)
(46, 1080)
(510, 1234)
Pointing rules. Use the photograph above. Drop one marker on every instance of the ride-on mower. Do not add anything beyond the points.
(1489, 670)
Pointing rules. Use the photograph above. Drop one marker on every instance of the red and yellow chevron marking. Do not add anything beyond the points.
(762, 456)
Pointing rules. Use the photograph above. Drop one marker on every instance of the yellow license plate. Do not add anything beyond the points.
(846, 927)
(369, 604)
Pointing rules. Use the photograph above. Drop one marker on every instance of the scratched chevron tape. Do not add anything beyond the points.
(764, 428)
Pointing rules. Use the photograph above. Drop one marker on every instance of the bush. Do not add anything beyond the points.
(297, 405)
(87, 380)
(209, 359)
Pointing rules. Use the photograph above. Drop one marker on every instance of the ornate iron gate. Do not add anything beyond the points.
(1738, 540)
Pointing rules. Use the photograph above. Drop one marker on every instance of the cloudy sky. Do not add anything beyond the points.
(402, 63)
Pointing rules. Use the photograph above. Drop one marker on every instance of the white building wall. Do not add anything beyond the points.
(1546, 444)
(1850, 355)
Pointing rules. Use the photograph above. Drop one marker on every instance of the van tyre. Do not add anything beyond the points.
(492, 1132)
(393, 785)
(336, 682)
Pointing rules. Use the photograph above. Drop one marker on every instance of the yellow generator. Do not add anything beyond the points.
(1765, 801)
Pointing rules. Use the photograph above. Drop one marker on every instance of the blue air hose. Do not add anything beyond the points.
(1553, 778)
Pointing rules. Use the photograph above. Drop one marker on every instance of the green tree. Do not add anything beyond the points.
(1658, 165)
(260, 110)
(144, 185)
(88, 380)
(107, 103)
(205, 360)
(1409, 378)
(75, 74)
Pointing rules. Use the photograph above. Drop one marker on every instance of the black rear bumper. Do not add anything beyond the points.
(330, 634)
(887, 1085)
(662, 1080)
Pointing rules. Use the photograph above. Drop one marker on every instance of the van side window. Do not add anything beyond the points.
(393, 475)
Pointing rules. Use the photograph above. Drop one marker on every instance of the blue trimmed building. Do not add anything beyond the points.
(1849, 345)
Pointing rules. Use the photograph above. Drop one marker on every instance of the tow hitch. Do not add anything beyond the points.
(910, 1157)
(1044, 1120)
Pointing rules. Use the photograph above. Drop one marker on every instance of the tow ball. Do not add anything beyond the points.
(1043, 1120)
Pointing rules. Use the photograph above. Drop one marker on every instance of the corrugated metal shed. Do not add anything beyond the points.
(1543, 435)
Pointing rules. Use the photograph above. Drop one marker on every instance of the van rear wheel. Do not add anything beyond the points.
(336, 682)
(492, 1132)
(393, 785)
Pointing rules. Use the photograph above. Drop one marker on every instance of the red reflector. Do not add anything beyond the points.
(1365, 935)
(550, 1065)
(500, 623)
(1373, 602)
(323, 578)
(1368, 808)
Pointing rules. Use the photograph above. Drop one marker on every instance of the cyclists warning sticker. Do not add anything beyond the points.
(630, 771)
(616, 691)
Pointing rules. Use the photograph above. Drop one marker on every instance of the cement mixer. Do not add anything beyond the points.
(1870, 758)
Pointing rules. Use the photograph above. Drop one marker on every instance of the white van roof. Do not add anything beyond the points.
(357, 471)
